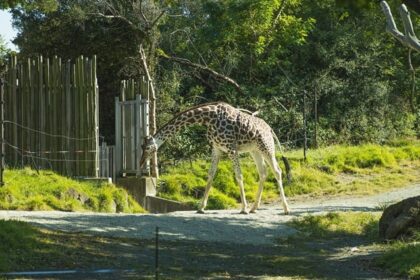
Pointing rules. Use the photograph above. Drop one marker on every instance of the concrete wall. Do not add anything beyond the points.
(160, 205)
(143, 190)
(139, 187)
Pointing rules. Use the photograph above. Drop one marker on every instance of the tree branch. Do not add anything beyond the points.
(280, 11)
(202, 68)
(156, 19)
(115, 17)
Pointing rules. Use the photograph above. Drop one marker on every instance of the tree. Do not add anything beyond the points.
(408, 39)
(42, 5)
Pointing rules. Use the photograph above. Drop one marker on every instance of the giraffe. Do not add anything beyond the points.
(232, 131)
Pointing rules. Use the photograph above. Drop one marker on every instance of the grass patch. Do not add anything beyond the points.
(403, 257)
(338, 224)
(25, 189)
(335, 170)
(399, 257)
(24, 248)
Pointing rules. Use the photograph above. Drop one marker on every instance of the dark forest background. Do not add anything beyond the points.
(358, 83)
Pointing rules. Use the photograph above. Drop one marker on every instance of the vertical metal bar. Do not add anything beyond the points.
(1, 131)
(138, 133)
(118, 144)
(96, 100)
(145, 124)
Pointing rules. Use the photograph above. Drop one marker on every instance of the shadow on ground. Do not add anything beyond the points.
(327, 258)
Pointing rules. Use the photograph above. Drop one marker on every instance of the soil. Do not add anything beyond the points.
(222, 244)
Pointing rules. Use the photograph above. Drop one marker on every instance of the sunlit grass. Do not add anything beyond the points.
(26, 189)
(337, 224)
(334, 170)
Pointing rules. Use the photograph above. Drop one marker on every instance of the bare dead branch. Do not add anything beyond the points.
(115, 17)
(279, 12)
(143, 16)
(408, 39)
(204, 82)
(156, 19)
(205, 69)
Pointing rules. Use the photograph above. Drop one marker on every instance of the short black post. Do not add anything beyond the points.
(2, 150)
(157, 254)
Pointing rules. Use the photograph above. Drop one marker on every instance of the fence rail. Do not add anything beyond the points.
(51, 115)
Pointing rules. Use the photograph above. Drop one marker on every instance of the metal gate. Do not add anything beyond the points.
(131, 129)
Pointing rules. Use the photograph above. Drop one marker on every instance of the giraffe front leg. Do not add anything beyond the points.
(215, 157)
(239, 181)
(262, 171)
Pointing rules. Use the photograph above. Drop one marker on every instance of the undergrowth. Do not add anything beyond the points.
(26, 189)
(364, 169)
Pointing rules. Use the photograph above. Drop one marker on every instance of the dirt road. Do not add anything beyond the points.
(224, 244)
(214, 226)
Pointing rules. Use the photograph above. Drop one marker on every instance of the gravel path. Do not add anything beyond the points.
(214, 226)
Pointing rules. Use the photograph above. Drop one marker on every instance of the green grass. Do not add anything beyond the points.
(335, 170)
(25, 189)
(400, 257)
(337, 224)
(403, 257)
(24, 247)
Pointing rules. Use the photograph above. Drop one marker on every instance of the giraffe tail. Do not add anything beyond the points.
(284, 159)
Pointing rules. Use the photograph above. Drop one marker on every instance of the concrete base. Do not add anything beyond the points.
(139, 187)
(143, 190)
(160, 205)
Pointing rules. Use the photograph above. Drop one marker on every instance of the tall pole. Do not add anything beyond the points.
(152, 122)
(157, 254)
(305, 140)
(2, 151)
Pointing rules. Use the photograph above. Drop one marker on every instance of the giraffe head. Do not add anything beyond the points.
(148, 148)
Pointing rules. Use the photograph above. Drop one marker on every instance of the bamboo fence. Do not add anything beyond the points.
(51, 115)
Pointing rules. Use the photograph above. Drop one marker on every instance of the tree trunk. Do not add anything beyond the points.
(152, 117)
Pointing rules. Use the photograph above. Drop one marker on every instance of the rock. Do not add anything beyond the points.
(72, 193)
(400, 219)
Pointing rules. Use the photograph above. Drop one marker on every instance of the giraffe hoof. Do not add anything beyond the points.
(286, 212)
(253, 211)
(201, 211)
(244, 212)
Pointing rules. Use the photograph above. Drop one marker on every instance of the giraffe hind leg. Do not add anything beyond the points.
(262, 171)
(239, 180)
(271, 159)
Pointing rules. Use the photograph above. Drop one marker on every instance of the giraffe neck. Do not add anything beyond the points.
(201, 115)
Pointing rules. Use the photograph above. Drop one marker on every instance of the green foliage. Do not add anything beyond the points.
(334, 48)
(27, 190)
(41, 5)
(363, 169)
